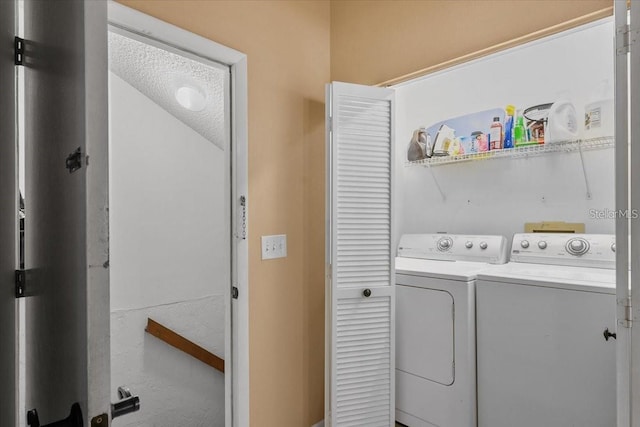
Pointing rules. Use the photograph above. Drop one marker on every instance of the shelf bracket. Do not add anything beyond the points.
(584, 173)
(435, 181)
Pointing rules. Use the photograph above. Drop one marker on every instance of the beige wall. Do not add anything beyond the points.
(287, 43)
(375, 41)
(294, 48)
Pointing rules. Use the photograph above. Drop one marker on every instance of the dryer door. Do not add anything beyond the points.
(424, 333)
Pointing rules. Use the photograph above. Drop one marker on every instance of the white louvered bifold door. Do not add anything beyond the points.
(360, 270)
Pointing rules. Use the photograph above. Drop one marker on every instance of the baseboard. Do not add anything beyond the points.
(319, 424)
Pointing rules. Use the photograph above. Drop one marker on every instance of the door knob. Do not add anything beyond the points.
(367, 293)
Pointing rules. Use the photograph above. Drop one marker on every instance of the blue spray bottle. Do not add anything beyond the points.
(508, 126)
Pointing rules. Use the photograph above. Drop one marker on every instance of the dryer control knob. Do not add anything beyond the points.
(444, 244)
(542, 244)
(613, 247)
(469, 244)
(483, 245)
(577, 246)
(524, 244)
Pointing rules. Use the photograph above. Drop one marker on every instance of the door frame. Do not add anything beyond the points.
(9, 239)
(632, 306)
(236, 331)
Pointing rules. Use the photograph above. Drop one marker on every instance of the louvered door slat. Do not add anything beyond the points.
(361, 335)
(364, 173)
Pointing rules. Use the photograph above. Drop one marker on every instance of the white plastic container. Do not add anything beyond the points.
(562, 124)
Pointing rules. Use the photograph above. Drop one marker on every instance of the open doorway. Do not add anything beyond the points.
(177, 224)
(61, 349)
(169, 231)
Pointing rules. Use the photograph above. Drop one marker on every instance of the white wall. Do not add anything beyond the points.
(499, 196)
(168, 261)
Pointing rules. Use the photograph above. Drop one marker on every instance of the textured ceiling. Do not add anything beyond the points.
(158, 73)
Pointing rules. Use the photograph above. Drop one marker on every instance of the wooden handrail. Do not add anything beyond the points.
(181, 343)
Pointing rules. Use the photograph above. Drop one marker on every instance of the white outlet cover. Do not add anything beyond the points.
(274, 246)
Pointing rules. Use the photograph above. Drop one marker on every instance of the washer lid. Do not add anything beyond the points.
(553, 276)
(455, 270)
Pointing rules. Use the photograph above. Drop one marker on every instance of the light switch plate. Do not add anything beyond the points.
(274, 246)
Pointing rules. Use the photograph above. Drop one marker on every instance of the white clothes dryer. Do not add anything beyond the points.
(435, 326)
(546, 325)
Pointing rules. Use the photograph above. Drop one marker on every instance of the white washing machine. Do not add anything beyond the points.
(435, 326)
(545, 353)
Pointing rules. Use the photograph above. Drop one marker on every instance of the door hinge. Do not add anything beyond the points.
(21, 283)
(625, 38)
(18, 51)
(628, 313)
(27, 283)
(627, 322)
(234, 292)
(329, 123)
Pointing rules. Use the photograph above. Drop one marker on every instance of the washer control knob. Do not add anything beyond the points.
(524, 244)
(577, 246)
(483, 245)
(542, 244)
(613, 247)
(444, 244)
(469, 244)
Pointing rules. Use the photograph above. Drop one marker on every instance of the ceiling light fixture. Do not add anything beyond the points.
(191, 98)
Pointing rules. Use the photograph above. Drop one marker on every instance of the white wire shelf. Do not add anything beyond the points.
(531, 150)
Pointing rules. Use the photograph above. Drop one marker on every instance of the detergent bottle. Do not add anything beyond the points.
(562, 123)
(519, 130)
(508, 126)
